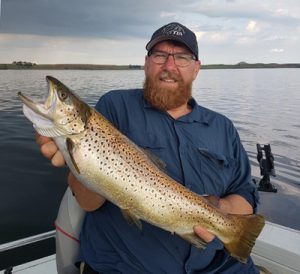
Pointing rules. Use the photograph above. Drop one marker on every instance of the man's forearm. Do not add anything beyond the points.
(86, 198)
(235, 204)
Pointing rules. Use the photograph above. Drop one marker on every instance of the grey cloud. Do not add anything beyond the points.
(130, 20)
(99, 18)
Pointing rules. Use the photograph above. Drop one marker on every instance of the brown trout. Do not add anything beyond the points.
(107, 162)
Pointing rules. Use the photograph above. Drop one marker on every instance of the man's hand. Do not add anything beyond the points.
(87, 199)
(50, 150)
(233, 204)
(205, 235)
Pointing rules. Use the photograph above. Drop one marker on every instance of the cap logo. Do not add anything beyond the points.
(173, 29)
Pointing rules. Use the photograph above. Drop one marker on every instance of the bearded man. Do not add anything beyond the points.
(201, 150)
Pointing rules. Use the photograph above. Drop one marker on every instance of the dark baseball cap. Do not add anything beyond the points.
(175, 32)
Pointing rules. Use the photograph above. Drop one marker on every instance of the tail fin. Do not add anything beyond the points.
(240, 246)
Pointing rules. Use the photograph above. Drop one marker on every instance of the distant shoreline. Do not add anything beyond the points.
(31, 66)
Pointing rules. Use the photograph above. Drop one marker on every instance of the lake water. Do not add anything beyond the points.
(263, 104)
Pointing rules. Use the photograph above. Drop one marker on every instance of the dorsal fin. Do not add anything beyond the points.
(155, 160)
(131, 218)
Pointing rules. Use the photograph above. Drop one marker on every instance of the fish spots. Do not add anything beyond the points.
(138, 180)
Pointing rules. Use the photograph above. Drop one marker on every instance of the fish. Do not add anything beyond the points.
(108, 163)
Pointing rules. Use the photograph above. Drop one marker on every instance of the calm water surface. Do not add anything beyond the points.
(263, 104)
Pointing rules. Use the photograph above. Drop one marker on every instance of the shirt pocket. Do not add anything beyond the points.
(213, 171)
(154, 147)
(145, 140)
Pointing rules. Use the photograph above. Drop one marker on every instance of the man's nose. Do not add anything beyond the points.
(170, 62)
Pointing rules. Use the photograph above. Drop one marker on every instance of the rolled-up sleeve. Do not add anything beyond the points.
(241, 182)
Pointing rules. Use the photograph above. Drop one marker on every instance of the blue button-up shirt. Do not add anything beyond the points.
(202, 151)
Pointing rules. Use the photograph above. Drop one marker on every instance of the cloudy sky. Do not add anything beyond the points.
(116, 31)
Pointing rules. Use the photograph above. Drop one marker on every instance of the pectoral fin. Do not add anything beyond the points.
(70, 148)
(194, 239)
(131, 218)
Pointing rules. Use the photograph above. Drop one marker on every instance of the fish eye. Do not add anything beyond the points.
(63, 95)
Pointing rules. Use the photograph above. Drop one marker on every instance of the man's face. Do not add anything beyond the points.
(168, 86)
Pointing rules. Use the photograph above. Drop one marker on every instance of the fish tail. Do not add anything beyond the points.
(240, 246)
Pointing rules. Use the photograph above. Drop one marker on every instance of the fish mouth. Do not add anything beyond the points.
(46, 109)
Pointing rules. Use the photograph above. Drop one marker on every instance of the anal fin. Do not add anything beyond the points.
(194, 240)
(132, 219)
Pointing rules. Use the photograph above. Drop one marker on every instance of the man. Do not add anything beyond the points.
(201, 149)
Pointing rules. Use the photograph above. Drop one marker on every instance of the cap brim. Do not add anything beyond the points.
(156, 40)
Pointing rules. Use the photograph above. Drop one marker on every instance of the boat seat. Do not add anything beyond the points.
(68, 226)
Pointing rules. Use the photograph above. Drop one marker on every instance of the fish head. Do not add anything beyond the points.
(63, 112)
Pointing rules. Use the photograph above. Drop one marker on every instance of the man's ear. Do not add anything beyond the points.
(146, 64)
(197, 68)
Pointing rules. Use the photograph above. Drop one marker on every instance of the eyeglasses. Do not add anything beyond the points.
(180, 59)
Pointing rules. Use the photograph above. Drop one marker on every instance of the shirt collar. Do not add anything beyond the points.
(198, 114)
(146, 103)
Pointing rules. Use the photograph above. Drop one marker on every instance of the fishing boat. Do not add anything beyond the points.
(277, 249)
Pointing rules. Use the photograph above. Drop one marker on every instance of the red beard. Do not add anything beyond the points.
(166, 98)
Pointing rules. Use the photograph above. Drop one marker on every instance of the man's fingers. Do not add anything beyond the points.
(204, 234)
(49, 149)
(51, 152)
(41, 139)
(58, 159)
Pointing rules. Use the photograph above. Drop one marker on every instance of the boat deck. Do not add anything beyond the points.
(45, 265)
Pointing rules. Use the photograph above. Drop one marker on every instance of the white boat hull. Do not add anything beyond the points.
(277, 248)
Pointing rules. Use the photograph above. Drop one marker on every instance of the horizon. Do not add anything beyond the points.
(227, 31)
(141, 65)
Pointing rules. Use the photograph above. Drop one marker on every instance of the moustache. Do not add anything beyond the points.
(169, 75)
